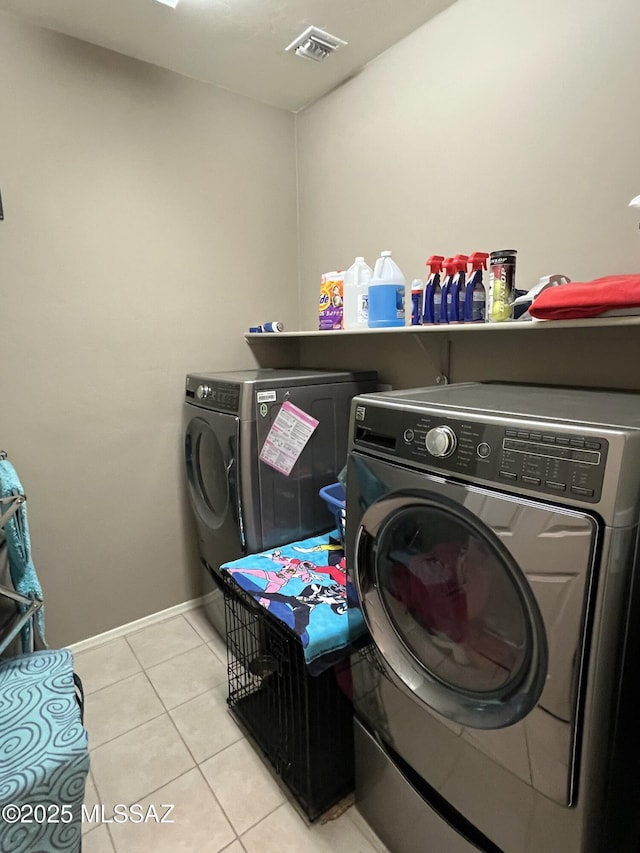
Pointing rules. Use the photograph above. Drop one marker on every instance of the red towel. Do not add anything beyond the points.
(587, 298)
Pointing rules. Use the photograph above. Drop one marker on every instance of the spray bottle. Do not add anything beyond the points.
(417, 295)
(476, 296)
(457, 291)
(450, 268)
(433, 291)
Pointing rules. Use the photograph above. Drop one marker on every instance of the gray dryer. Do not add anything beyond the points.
(242, 505)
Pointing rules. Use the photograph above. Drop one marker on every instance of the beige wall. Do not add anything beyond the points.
(497, 124)
(149, 219)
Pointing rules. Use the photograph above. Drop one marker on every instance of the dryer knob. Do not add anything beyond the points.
(202, 392)
(441, 441)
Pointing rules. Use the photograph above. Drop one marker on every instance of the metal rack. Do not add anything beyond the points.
(20, 610)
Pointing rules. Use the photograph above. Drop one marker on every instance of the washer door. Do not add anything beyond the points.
(450, 610)
(210, 447)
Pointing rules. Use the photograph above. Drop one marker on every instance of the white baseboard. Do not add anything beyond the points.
(116, 633)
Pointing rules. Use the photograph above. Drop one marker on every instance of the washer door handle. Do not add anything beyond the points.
(234, 492)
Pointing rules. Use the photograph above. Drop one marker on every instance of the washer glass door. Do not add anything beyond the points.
(449, 609)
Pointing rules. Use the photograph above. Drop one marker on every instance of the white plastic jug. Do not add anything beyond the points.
(356, 295)
(386, 294)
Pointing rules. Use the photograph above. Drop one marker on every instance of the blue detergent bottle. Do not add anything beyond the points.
(433, 291)
(476, 295)
(449, 272)
(457, 291)
(386, 294)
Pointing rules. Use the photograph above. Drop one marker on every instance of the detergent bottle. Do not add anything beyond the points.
(449, 266)
(476, 295)
(433, 291)
(457, 290)
(356, 295)
(386, 294)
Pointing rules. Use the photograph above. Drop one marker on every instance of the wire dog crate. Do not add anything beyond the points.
(302, 723)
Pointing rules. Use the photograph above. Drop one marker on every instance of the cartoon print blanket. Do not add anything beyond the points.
(304, 586)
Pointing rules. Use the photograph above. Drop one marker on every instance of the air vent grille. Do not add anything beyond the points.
(315, 44)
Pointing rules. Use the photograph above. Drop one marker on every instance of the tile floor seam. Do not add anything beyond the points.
(160, 787)
(207, 757)
(153, 687)
(113, 684)
(264, 817)
(267, 764)
(78, 657)
(224, 662)
(226, 816)
(111, 839)
(186, 701)
(186, 745)
(163, 713)
(195, 696)
(172, 657)
(173, 618)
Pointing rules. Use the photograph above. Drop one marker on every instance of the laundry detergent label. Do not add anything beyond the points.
(287, 438)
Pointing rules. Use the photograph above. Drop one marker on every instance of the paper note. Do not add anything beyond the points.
(289, 433)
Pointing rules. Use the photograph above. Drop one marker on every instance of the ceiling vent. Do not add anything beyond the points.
(315, 44)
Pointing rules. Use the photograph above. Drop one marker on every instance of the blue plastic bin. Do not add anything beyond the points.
(335, 499)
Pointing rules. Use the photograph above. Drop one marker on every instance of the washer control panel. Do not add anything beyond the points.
(544, 461)
(221, 396)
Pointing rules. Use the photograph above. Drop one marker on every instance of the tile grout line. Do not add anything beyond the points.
(126, 638)
(139, 725)
(226, 816)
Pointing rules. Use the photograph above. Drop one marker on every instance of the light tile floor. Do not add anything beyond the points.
(160, 733)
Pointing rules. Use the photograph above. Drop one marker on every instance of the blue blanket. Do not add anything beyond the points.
(44, 756)
(16, 531)
(304, 586)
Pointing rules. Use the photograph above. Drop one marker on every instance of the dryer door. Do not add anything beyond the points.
(455, 585)
(211, 441)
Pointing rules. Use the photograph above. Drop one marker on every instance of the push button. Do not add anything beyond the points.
(531, 481)
(483, 450)
(578, 490)
(522, 434)
(592, 445)
(577, 442)
(557, 487)
(535, 436)
(508, 475)
(562, 440)
(549, 439)
(510, 433)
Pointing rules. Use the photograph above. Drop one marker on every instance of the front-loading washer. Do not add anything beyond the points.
(240, 504)
(492, 535)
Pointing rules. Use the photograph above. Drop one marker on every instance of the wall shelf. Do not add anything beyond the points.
(598, 352)
(458, 328)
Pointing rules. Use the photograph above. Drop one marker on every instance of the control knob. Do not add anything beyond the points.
(203, 391)
(441, 441)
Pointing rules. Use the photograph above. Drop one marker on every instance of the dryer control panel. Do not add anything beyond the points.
(544, 461)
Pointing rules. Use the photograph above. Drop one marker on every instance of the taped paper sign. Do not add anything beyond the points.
(287, 438)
